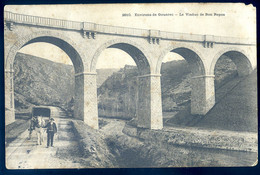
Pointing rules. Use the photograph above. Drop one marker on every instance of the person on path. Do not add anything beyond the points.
(32, 126)
(39, 130)
(51, 130)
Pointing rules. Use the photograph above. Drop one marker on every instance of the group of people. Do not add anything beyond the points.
(39, 125)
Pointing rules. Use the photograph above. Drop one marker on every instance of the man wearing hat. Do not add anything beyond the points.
(51, 130)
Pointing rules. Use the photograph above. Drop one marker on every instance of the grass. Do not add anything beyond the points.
(235, 108)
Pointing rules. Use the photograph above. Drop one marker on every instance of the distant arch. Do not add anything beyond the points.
(238, 56)
(133, 49)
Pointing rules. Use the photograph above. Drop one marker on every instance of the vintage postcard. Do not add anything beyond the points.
(130, 85)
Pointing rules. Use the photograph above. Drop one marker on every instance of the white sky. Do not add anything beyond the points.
(239, 21)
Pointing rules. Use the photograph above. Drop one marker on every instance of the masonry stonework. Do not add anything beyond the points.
(90, 101)
(143, 102)
(9, 97)
(84, 42)
(202, 94)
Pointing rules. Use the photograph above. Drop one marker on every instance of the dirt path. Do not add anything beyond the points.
(25, 154)
(113, 127)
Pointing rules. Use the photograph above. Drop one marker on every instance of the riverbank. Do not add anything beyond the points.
(195, 137)
(117, 144)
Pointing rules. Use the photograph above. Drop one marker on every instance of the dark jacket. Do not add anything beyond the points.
(34, 123)
(51, 127)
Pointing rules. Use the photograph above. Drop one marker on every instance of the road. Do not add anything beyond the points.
(26, 154)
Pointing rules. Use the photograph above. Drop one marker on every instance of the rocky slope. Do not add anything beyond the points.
(236, 110)
(103, 74)
(38, 81)
(117, 95)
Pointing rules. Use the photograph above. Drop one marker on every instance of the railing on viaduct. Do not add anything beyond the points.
(116, 30)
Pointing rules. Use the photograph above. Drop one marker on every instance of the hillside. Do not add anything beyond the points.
(39, 81)
(236, 97)
(237, 110)
(117, 96)
(103, 74)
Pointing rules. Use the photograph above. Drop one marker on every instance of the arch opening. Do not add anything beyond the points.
(131, 49)
(192, 56)
(236, 92)
(66, 47)
(117, 96)
(229, 68)
(41, 81)
(241, 61)
(194, 61)
(40, 77)
(177, 84)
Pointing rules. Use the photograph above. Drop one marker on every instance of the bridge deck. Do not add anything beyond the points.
(117, 30)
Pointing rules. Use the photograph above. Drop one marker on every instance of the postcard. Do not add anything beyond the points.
(130, 85)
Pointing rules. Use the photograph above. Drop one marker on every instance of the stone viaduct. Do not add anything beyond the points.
(84, 42)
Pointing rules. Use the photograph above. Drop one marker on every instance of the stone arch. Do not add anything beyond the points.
(136, 51)
(189, 53)
(66, 44)
(238, 56)
(57, 39)
(201, 100)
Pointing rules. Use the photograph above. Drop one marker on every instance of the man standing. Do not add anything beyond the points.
(51, 130)
(39, 130)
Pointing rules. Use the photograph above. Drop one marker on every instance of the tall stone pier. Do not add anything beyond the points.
(202, 94)
(149, 104)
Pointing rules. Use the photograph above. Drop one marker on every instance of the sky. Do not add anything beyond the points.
(239, 21)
